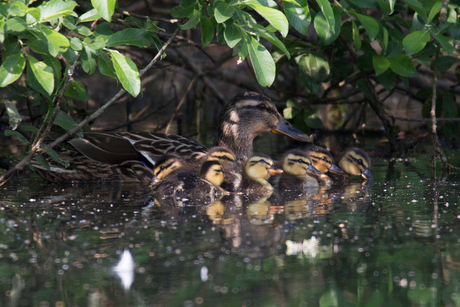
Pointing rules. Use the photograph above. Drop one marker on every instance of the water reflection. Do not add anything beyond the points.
(394, 242)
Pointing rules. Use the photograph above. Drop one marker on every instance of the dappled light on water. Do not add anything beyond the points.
(114, 244)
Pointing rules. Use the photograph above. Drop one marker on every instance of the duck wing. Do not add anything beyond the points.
(116, 148)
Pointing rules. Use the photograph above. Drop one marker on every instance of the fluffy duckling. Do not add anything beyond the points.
(298, 171)
(323, 162)
(257, 170)
(171, 164)
(232, 168)
(355, 161)
(186, 183)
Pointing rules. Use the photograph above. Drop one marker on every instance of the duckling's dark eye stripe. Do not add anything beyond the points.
(298, 161)
(358, 161)
(260, 161)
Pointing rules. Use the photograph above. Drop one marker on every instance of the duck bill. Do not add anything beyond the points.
(335, 169)
(285, 128)
(273, 171)
(311, 170)
(367, 175)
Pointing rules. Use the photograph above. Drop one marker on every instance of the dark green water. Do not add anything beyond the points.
(396, 243)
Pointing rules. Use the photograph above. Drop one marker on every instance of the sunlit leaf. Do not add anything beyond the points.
(262, 62)
(105, 8)
(415, 41)
(42, 73)
(126, 72)
(14, 118)
(12, 69)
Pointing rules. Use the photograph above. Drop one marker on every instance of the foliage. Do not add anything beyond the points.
(368, 44)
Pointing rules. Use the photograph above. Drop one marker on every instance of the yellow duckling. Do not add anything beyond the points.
(298, 171)
(323, 162)
(186, 183)
(355, 161)
(257, 170)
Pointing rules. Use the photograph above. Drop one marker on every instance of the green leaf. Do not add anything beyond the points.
(30, 128)
(298, 14)
(392, 6)
(191, 23)
(434, 11)
(370, 25)
(417, 6)
(274, 17)
(126, 72)
(310, 72)
(41, 159)
(312, 120)
(356, 36)
(403, 66)
(262, 62)
(326, 8)
(11, 69)
(88, 60)
(223, 11)
(89, 16)
(327, 35)
(387, 79)
(317, 67)
(14, 118)
(53, 154)
(15, 24)
(271, 37)
(365, 89)
(54, 9)
(105, 8)
(381, 64)
(445, 63)
(75, 44)
(232, 35)
(76, 90)
(85, 31)
(131, 36)
(207, 31)
(42, 73)
(290, 113)
(21, 138)
(65, 121)
(185, 9)
(54, 64)
(57, 43)
(415, 41)
(445, 42)
(106, 66)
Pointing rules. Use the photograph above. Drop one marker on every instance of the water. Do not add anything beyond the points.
(110, 244)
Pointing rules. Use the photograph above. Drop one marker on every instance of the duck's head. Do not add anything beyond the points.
(259, 168)
(297, 162)
(223, 155)
(213, 172)
(248, 115)
(355, 161)
(322, 159)
(166, 165)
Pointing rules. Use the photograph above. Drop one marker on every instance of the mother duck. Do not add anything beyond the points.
(131, 156)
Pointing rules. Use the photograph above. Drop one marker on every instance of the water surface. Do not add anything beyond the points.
(111, 244)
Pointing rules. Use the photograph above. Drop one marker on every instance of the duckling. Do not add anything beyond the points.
(323, 162)
(257, 170)
(355, 161)
(298, 167)
(171, 164)
(206, 183)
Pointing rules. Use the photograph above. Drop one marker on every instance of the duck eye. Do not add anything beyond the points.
(360, 161)
(300, 160)
(262, 106)
(323, 158)
(162, 168)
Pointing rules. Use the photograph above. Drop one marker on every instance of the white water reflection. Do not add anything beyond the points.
(125, 269)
